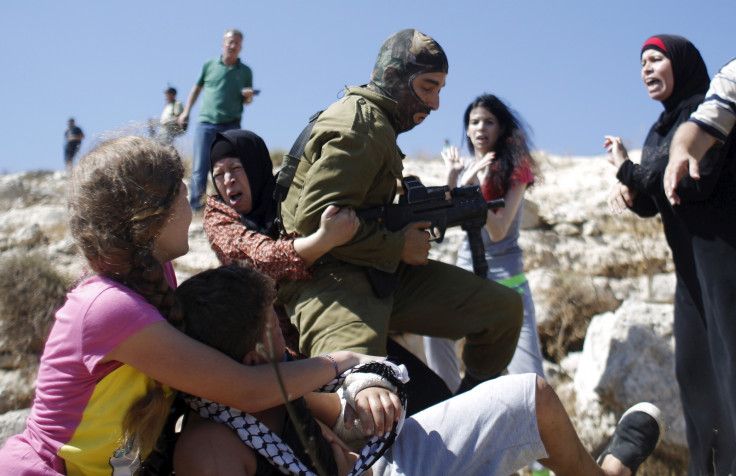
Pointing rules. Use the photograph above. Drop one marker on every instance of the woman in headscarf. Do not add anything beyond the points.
(240, 220)
(701, 234)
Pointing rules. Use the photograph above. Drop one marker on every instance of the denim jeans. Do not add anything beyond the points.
(203, 137)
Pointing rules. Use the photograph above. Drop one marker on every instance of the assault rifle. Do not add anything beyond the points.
(465, 207)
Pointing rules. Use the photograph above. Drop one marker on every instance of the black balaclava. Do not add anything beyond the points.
(402, 57)
(253, 155)
(688, 68)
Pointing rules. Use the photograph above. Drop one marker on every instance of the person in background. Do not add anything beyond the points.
(169, 121)
(226, 84)
(503, 167)
(73, 136)
(115, 353)
(701, 232)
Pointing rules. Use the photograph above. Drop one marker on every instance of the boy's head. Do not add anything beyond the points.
(228, 308)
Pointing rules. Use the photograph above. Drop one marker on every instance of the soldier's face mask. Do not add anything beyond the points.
(402, 57)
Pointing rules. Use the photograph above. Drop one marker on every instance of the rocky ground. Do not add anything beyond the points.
(602, 286)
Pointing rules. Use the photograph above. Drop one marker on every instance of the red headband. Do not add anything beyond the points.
(654, 42)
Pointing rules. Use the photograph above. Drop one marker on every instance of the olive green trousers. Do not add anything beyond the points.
(339, 310)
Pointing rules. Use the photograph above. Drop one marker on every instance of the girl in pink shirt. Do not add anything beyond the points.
(105, 381)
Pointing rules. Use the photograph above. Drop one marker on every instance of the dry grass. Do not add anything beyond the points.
(572, 301)
(30, 293)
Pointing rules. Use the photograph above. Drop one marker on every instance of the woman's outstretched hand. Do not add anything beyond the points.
(451, 157)
(615, 147)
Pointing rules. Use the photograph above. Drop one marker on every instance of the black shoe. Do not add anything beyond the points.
(637, 434)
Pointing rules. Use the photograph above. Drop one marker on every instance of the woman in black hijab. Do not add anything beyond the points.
(701, 234)
(252, 153)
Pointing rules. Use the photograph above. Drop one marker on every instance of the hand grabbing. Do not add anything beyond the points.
(338, 225)
(677, 168)
(377, 409)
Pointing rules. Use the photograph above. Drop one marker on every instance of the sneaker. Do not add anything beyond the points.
(637, 434)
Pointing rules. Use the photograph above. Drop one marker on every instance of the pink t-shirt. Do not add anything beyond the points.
(74, 424)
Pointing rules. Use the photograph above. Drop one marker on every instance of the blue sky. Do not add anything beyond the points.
(570, 68)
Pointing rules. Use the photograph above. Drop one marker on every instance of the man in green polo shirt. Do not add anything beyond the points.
(227, 84)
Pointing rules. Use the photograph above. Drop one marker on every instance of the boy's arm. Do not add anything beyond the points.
(377, 408)
(325, 407)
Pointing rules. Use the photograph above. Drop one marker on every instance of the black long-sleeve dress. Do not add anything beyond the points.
(701, 232)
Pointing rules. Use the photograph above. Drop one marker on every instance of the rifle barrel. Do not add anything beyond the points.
(498, 203)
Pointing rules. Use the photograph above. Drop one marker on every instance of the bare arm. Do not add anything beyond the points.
(169, 356)
(688, 147)
(193, 95)
(499, 221)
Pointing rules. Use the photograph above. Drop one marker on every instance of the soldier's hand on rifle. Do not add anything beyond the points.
(416, 243)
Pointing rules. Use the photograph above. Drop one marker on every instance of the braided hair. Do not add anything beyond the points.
(121, 196)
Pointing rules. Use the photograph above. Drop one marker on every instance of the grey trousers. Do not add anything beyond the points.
(489, 430)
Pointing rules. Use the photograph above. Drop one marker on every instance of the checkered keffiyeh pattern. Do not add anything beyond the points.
(262, 440)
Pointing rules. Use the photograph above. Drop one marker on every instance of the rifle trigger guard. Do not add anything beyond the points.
(435, 238)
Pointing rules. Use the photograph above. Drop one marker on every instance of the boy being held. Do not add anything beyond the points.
(231, 309)
(515, 419)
